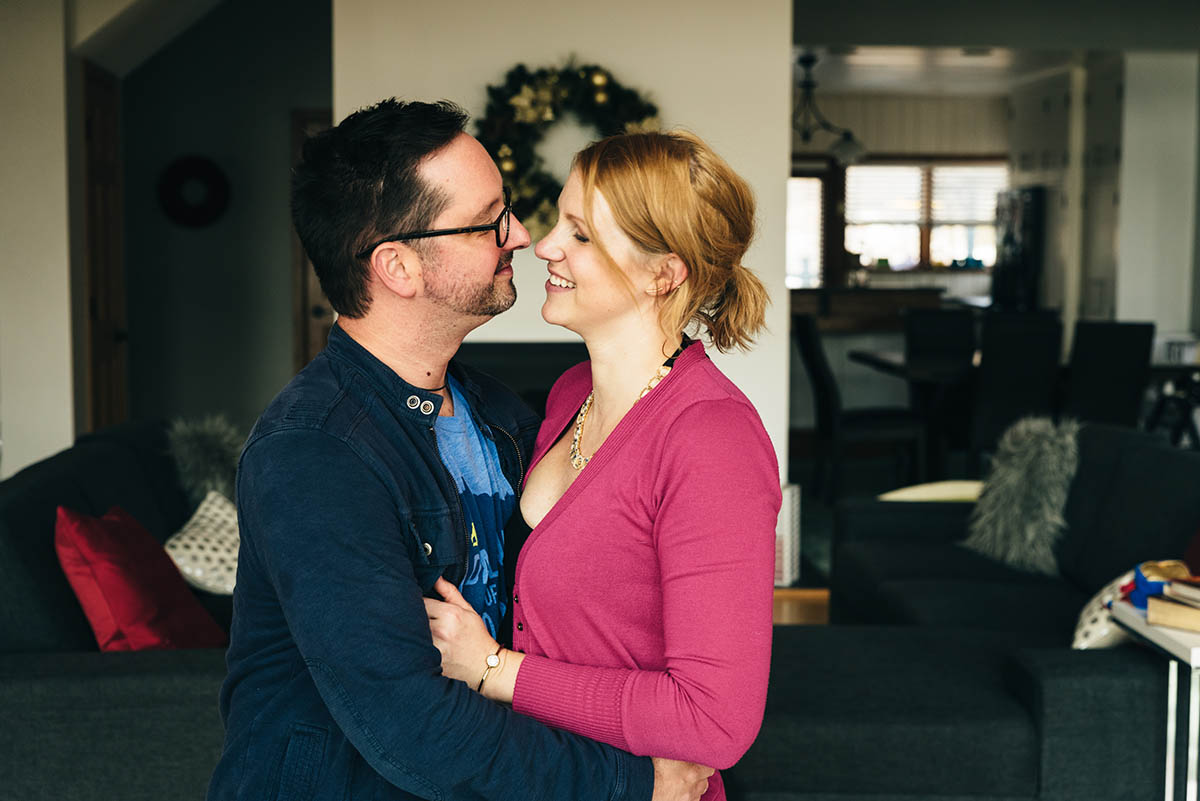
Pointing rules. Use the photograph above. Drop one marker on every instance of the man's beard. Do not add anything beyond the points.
(486, 300)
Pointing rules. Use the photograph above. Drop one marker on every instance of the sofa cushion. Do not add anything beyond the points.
(899, 712)
(125, 466)
(1134, 499)
(862, 568)
(1096, 628)
(1019, 516)
(1041, 611)
(130, 590)
(206, 549)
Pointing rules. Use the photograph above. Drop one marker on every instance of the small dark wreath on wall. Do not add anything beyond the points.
(193, 191)
(527, 103)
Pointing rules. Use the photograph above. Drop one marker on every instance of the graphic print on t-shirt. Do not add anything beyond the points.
(487, 502)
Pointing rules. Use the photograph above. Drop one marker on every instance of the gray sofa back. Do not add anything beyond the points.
(1134, 498)
(126, 466)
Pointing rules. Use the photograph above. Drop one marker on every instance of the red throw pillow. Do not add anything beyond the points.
(130, 590)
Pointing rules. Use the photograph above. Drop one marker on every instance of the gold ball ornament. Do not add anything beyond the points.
(599, 79)
(508, 165)
(600, 97)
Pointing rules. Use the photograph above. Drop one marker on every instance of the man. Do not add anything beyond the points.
(379, 468)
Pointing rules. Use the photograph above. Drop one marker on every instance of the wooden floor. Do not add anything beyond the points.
(801, 606)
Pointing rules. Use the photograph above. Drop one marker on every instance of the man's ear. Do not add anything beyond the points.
(398, 267)
(670, 272)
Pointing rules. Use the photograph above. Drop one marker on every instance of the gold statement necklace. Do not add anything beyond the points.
(578, 460)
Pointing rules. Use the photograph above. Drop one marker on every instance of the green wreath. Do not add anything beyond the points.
(527, 103)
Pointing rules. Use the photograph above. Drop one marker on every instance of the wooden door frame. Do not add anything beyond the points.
(105, 317)
(304, 122)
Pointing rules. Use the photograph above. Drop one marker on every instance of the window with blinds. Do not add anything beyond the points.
(902, 216)
(804, 227)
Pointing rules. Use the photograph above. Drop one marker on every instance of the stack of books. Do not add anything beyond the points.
(1178, 607)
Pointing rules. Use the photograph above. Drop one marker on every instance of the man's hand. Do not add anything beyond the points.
(679, 781)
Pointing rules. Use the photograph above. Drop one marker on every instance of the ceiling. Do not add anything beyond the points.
(930, 70)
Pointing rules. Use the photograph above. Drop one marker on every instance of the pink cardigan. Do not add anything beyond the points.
(643, 600)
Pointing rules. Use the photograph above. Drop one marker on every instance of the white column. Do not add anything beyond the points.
(1157, 214)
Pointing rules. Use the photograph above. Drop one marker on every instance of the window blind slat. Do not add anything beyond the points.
(890, 194)
(967, 194)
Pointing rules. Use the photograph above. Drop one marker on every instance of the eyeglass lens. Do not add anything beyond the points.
(503, 223)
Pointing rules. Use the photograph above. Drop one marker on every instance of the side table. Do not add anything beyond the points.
(1182, 648)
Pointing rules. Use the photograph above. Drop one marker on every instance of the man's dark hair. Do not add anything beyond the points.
(358, 182)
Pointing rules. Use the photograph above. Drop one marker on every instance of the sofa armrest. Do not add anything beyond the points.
(1102, 719)
(871, 519)
(141, 725)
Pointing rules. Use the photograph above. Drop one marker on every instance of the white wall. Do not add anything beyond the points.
(1155, 236)
(721, 70)
(36, 416)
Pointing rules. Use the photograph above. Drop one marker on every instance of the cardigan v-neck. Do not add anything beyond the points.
(562, 406)
(643, 598)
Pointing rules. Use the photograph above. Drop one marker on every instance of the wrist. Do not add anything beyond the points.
(499, 684)
(491, 664)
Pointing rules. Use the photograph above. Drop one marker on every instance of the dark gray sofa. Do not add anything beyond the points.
(947, 675)
(81, 724)
(1133, 498)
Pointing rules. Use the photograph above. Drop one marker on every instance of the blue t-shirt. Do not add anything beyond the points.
(487, 502)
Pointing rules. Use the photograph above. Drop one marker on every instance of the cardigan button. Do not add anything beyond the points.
(520, 627)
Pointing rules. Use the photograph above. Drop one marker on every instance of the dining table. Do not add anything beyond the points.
(1177, 383)
(950, 370)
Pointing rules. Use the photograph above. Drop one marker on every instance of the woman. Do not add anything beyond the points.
(642, 599)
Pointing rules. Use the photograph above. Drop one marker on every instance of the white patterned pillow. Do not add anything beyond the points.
(206, 549)
(1096, 628)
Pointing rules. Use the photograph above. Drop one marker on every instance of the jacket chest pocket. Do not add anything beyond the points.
(439, 546)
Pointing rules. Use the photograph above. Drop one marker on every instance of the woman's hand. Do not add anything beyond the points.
(464, 642)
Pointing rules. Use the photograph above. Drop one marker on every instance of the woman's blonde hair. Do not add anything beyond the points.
(670, 193)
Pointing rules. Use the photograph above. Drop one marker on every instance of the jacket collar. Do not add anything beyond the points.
(408, 400)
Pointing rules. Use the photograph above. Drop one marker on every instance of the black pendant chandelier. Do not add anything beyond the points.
(807, 119)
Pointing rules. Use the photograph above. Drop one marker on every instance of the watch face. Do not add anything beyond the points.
(493, 660)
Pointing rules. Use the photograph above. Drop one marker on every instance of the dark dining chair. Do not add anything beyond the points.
(1020, 356)
(1109, 371)
(941, 334)
(941, 340)
(837, 426)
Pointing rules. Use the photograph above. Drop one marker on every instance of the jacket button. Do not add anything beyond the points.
(427, 548)
(413, 401)
(426, 407)
(520, 627)
(516, 598)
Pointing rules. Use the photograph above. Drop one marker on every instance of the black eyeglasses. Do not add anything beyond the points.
(500, 226)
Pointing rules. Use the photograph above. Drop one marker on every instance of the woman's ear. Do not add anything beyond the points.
(397, 267)
(670, 272)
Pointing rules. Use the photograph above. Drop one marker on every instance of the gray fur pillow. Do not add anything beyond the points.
(1019, 517)
(206, 453)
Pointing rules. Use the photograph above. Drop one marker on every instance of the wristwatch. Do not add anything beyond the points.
(493, 661)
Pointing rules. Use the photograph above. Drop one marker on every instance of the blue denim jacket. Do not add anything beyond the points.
(335, 691)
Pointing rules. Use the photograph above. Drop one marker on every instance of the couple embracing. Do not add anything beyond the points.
(440, 596)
